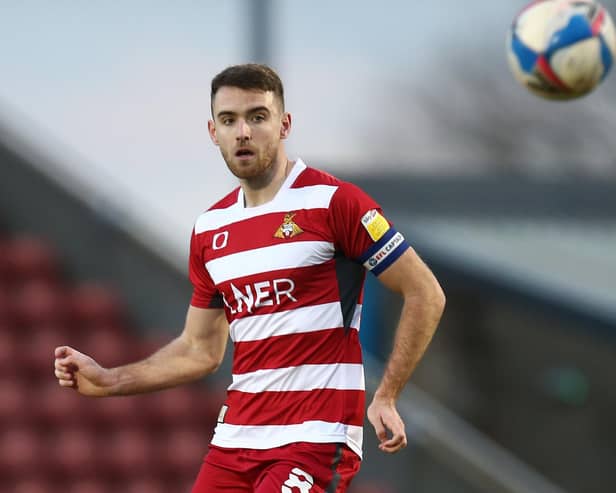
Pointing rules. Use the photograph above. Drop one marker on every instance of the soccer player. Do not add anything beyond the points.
(278, 265)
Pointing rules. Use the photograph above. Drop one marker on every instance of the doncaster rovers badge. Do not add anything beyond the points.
(288, 229)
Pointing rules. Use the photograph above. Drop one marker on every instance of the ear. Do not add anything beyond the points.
(285, 127)
(211, 128)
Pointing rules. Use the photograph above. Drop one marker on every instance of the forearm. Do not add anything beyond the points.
(419, 319)
(176, 363)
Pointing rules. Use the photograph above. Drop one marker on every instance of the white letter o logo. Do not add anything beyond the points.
(220, 240)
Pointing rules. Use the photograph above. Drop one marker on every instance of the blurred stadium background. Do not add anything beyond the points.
(105, 163)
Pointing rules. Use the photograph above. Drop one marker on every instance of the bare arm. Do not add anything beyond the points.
(423, 306)
(196, 352)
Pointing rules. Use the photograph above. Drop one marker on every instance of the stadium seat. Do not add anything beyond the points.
(210, 399)
(10, 362)
(25, 258)
(20, 452)
(147, 485)
(57, 335)
(39, 303)
(109, 345)
(172, 406)
(55, 406)
(95, 304)
(14, 405)
(182, 484)
(110, 412)
(94, 485)
(32, 485)
(8, 319)
(38, 353)
(146, 347)
(126, 452)
(73, 452)
(180, 451)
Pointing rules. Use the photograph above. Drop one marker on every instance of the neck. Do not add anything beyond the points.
(262, 189)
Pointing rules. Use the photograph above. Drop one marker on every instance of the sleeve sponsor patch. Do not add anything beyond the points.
(385, 252)
(375, 224)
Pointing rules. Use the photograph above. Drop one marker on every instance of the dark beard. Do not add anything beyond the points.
(259, 174)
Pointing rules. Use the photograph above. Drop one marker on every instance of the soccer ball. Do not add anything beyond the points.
(561, 49)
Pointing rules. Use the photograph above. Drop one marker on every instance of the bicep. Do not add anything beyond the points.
(206, 329)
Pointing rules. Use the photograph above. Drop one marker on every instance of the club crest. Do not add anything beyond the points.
(288, 229)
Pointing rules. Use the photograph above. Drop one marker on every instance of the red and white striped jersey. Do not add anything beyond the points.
(289, 275)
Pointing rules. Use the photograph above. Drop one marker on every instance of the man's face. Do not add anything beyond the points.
(248, 126)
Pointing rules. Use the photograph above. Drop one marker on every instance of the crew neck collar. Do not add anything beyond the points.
(296, 170)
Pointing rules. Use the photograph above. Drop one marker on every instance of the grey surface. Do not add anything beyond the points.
(571, 261)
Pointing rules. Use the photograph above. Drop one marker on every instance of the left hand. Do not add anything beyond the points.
(384, 417)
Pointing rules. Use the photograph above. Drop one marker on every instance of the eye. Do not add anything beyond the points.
(227, 121)
(258, 118)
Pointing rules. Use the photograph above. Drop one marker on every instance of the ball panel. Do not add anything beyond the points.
(576, 29)
(579, 65)
(606, 57)
(545, 71)
(526, 57)
(529, 27)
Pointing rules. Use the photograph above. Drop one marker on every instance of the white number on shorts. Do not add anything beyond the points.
(298, 479)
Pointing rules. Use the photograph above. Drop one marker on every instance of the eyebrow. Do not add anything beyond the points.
(256, 109)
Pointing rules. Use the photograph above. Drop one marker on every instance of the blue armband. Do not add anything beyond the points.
(384, 252)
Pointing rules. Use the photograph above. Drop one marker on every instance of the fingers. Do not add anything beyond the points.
(66, 364)
(65, 378)
(65, 367)
(69, 357)
(67, 383)
(386, 420)
(396, 443)
(64, 356)
(62, 374)
(379, 428)
(62, 351)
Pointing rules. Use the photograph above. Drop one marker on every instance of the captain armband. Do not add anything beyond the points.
(384, 252)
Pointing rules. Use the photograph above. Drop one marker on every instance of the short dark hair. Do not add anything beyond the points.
(249, 76)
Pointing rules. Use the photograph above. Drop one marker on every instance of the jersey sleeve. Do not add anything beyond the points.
(362, 232)
(205, 294)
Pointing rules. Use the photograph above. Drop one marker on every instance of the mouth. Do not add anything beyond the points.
(244, 154)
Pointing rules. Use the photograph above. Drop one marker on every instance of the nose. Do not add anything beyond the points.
(243, 130)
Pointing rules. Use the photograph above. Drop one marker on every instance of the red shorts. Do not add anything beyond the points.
(295, 468)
